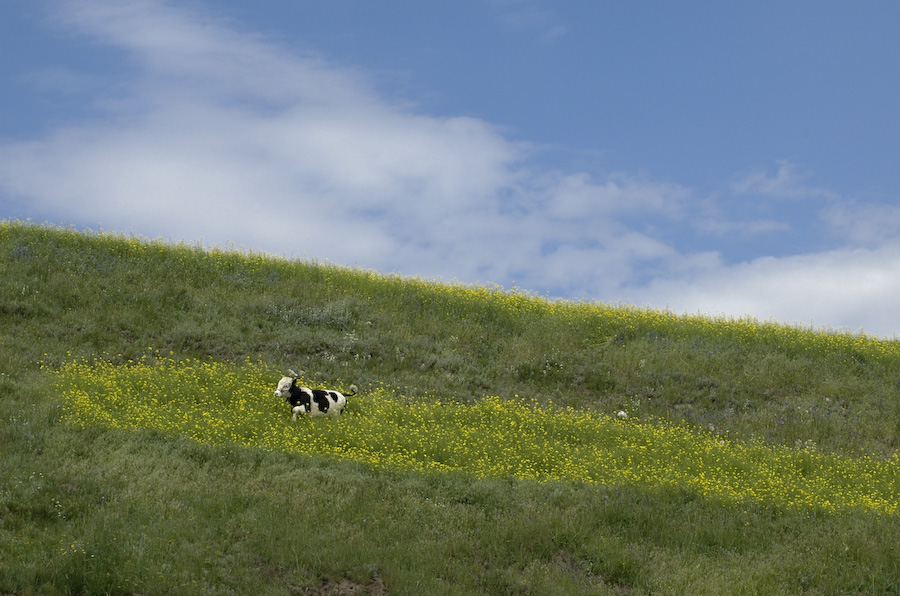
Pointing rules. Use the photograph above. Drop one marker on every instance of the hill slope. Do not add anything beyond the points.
(93, 510)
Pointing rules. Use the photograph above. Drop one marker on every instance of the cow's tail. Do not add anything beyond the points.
(353, 391)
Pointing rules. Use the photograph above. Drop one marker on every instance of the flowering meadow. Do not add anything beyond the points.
(221, 404)
(482, 455)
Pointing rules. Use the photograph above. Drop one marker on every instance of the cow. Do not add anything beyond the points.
(312, 402)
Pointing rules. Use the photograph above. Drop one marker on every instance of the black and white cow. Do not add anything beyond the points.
(312, 402)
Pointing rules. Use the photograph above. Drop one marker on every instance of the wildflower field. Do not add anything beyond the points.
(224, 404)
(483, 454)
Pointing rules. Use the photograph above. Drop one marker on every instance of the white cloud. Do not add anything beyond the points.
(221, 136)
(864, 224)
(224, 136)
(725, 227)
(574, 196)
(529, 16)
(858, 286)
(787, 182)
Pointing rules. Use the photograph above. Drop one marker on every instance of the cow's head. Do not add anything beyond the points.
(284, 387)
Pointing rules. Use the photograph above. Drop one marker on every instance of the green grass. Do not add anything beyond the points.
(757, 458)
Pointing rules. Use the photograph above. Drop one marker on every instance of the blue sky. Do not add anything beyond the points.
(723, 158)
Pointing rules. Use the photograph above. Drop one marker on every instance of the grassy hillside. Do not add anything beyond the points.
(143, 452)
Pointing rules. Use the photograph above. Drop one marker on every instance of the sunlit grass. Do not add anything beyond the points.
(482, 457)
(241, 268)
(216, 403)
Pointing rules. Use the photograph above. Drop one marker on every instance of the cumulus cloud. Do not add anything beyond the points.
(226, 136)
(857, 286)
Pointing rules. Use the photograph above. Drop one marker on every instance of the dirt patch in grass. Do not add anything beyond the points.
(345, 587)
